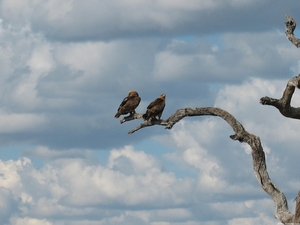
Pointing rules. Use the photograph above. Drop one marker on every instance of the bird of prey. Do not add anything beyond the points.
(155, 108)
(129, 104)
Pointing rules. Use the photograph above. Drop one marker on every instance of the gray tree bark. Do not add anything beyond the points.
(290, 26)
(283, 104)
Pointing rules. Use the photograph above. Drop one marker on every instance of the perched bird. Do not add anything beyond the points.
(129, 104)
(155, 108)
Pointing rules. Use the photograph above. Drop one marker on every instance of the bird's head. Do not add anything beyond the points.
(132, 93)
(162, 96)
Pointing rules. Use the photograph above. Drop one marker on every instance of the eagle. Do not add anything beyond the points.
(155, 108)
(129, 104)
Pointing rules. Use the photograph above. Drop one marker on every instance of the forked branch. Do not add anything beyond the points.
(290, 26)
(284, 103)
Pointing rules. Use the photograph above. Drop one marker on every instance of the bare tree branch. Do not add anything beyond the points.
(148, 124)
(290, 26)
(142, 125)
(131, 117)
(284, 104)
(259, 162)
(297, 209)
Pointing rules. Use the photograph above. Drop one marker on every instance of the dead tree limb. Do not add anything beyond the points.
(131, 117)
(284, 103)
(142, 125)
(148, 124)
(282, 212)
(297, 209)
(290, 26)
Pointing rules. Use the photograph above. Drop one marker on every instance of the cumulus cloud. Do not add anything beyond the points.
(63, 186)
(120, 192)
(8, 205)
(74, 189)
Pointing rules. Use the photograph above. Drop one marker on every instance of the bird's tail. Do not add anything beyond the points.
(117, 115)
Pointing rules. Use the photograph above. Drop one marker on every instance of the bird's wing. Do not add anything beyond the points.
(123, 102)
(155, 102)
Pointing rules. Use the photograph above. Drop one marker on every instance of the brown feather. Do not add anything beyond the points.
(129, 104)
(155, 108)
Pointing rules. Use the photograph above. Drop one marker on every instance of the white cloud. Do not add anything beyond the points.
(47, 154)
(240, 57)
(14, 123)
(220, 167)
(242, 100)
(139, 161)
(8, 205)
(192, 153)
(29, 221)
(262, 219)
(63, 186)
(97, 62)
(41, 61)
(10, 176)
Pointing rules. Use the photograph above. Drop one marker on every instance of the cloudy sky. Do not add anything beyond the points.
(65, 66)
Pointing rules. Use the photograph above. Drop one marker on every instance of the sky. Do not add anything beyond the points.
(65, 67)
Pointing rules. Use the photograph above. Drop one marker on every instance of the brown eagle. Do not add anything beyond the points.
(129, 104)
(155, 108)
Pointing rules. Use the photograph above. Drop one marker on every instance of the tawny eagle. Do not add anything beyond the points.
(155, 108)
(129, 104)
